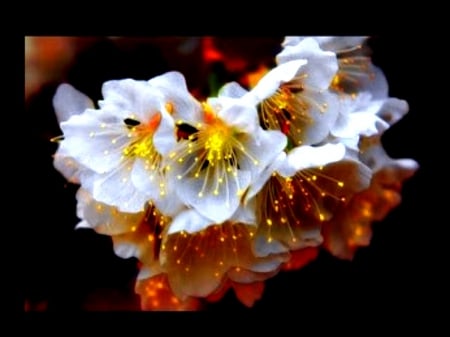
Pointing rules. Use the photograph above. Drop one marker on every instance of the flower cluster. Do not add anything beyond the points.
(227, 192)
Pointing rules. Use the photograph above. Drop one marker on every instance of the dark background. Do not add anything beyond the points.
(73, 270)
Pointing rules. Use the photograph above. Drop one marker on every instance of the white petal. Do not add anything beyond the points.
(189, 221)
(164, 138)
(102, 218)
(322, 120)
(321, 66)
(126, 250)
(376, 85)
(83, 224)
(303, 157)
(171, 79)
(146, 180)
(218, 208)
(238, 114)
(233, 90)
(129, 97)
(169, 204)
(259, 181)
(93, 141)
(175, 92)
(270, 82)
(291, 40)
(264, 248)
(72, 170)
(354, 124)
(270, 139)
(339, 43)
(245, 214)
(115, 188)
(393, 110)
(68, 101)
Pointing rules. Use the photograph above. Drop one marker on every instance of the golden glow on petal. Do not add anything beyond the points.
(169, 107)
(353, 70)
(289, 110)
(290, 206)
(204, 257)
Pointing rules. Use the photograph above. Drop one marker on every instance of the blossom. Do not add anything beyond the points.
(293, 97)
(355, 73)
(221, 150)
(226, 192)
(301, 193)
(124, 140)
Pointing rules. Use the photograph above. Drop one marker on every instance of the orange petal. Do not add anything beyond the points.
(300, 258)
(248, 294)
(156, 295)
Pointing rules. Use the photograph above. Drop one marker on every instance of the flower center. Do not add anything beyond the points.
(287, 110)
(217, 142)
(142, 144)
(210, 153)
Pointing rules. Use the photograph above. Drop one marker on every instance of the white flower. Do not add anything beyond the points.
(221, 150)
(293, 97)
(123, 142)
(356, 72)
(300, 194)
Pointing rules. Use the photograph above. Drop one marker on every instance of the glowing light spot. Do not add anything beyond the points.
(133, 229)
(269, 222)
(358, 231)
(169, 107)
(340, 184)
